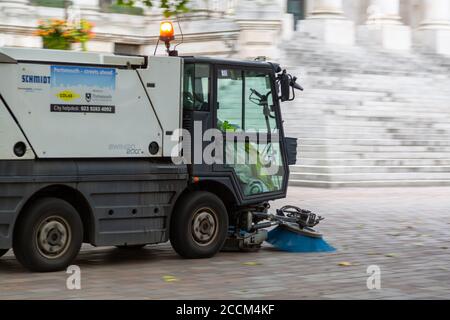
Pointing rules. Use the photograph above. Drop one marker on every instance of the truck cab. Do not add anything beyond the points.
(90, 153)
(238, 100)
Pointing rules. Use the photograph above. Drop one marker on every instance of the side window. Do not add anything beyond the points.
(229, 100)
(196, 87)
(259, 105)
(245, 101)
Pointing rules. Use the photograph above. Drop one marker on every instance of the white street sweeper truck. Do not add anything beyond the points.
(90, 146)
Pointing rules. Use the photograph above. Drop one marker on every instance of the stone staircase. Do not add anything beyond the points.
(368, 117)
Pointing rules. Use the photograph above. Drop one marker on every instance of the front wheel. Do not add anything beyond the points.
(199, 225)
(48, 235)
(3, 252)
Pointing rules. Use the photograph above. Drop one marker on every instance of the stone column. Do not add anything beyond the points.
(89, 9)
(327, 22)
(384, 27)
(384, 12)
(260, 28)
(434, 31)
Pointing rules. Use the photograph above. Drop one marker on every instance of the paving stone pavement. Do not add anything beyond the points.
(404, 231)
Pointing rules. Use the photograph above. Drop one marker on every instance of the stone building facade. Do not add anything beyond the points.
(246, 28)
(376, 74)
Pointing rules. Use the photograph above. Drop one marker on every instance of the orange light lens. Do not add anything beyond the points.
(166, 30)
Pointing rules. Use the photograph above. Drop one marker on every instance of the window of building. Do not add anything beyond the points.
(297, 8)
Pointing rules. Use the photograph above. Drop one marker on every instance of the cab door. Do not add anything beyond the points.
(197, 115)
(247, 114)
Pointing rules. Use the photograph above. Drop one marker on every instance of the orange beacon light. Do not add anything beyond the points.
(166, 32)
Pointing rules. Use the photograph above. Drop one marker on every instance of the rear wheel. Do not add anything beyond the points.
(3, 252)
(48, 236)
(199, 225)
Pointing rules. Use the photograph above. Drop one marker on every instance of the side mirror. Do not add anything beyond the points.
(285, 86)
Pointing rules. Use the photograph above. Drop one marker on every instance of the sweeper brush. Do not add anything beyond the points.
(293, 239)
(294, 231)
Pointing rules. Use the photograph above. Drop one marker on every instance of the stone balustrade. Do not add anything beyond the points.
(247, 27)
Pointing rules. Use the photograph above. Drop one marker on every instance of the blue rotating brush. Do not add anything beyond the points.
(294, 232)
(292, 239)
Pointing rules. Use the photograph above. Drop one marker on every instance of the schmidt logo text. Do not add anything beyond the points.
(35, 79)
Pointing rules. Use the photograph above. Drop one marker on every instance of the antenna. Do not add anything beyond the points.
(181, 31)
(156, 48)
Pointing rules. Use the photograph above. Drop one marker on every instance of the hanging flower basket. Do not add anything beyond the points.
(60, 35)
(56, 43)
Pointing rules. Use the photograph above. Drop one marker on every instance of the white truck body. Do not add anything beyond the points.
(86, 147)
(88, 105)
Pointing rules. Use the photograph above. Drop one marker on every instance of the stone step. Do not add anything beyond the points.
(359, 176)
(370, 184)
(372, 162)
(318, 67)
(302, 148)
(341, 96)
(339, 125)
(315, 134)
(366, 108)
(359, 80)
(364, 56)
(342, 132)
(371, 70)
(296, 169)
(371, 122)
(368, 116)
(310, 111)
(304, 103)
(371, 142)
(375, 155)
(368, 113)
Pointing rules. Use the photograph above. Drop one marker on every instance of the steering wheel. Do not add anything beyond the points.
(188, 99)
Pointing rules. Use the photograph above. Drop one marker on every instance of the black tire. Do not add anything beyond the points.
(48, 235)
(3, 252)
(186, 234)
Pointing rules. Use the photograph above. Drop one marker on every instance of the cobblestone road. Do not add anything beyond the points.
(404, 231)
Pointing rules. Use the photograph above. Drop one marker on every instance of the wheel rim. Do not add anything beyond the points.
(204, 226)
(53, 237)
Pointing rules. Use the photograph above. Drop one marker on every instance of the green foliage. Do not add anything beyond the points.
(227, 127)
(170, 8)
(60, 34)
(49, 3)
(125, 10)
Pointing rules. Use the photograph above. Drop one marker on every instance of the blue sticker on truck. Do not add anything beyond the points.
(82, 89)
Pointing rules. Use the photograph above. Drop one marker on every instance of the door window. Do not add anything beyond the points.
(229, 100)
(246, 115)
(196, 87)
